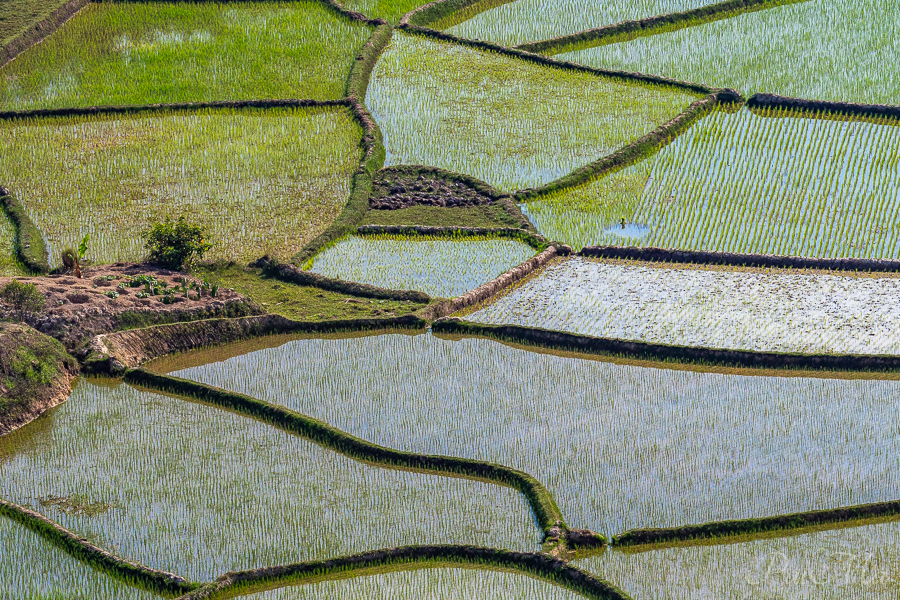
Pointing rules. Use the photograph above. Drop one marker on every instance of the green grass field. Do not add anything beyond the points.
(145, 53)
(839, 50)
(850, 563)
(264, 181)
(16, 16)
(389, 10)
(440, 267)
(510, 123)
(534, 20)
(777, 184)
(190, 489)
(617, 445)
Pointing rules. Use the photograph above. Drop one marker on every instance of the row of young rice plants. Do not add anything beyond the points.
(534, 20)
(32, 568)
(426, 584)
(264, 181)
(768, 311)
(143, 53)
(840, 50)
(511, 123)
(440, 267)
(772, 183)
(389, 10)
(16, 16)
(198, 491)
(858, 563)
(618, 446)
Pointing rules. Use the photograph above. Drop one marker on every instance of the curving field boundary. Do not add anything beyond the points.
(131, 572)
(540, 499)
(113, 353)
(761, 104)
(40, 30)
(700, 257)
(638, 150)
(539, 566)
(535, 240)
(743, 527)
(372, 143)
(629, 30)
(30, 247)
(619, 348)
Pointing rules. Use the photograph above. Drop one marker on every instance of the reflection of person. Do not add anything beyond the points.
(623, 222)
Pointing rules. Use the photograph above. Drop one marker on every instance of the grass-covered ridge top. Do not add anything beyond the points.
(541, 501)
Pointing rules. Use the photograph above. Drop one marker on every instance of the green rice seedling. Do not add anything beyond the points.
(16, 16)
(390, 10)
(440, 267)
(427, 584)
(32, 568)
(858, 563)
(260, 180)
(817, 49)
(9, 261)
(618, 446)
(143, 53)
(200, 491)
(761, 311)
(511, 123)
(773, 184)
(534, 20)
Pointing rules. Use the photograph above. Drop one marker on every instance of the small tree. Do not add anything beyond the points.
(22, 298)
(173, 244)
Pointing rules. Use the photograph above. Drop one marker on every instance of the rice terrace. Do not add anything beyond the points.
(505, 299)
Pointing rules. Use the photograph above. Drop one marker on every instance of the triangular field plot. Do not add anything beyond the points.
(509, 122)
(819, 50)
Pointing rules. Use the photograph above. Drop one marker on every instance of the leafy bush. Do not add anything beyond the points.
(22, 298)
(173, 244)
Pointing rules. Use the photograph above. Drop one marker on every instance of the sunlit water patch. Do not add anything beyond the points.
(772, 311)
(747, 183)
(443, 268)
(855, 563)
(32, 568)
(199, 491)
(619, 446)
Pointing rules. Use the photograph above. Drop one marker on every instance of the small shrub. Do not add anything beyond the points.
(174, 244)
(22, 298)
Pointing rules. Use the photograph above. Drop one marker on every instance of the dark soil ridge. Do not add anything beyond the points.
(629, 30)
(558, 340)
(40, 30)
(540, 566)
(14, 115)
(744, 527)
(699, 257)
(291, 274)
(493, 287)
(133, 573)
(442, 14)
(761, 104)
(640, 149)
(114, 353)
(540, 59)
(36, 374)
(543, 505)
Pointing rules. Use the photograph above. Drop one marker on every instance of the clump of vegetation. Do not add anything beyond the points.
(72, 259)
(175, 244)
(23, 298)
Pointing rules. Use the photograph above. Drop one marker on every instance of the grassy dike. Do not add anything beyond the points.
(542, 503)
(30, 247)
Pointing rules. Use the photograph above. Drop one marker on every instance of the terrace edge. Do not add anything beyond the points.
(535, 240)
(761, 104)
(632, 29)
(542, 567)
(539, 498)
(133, 573)
(30, 247)
(613, 347)
(40, 31)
